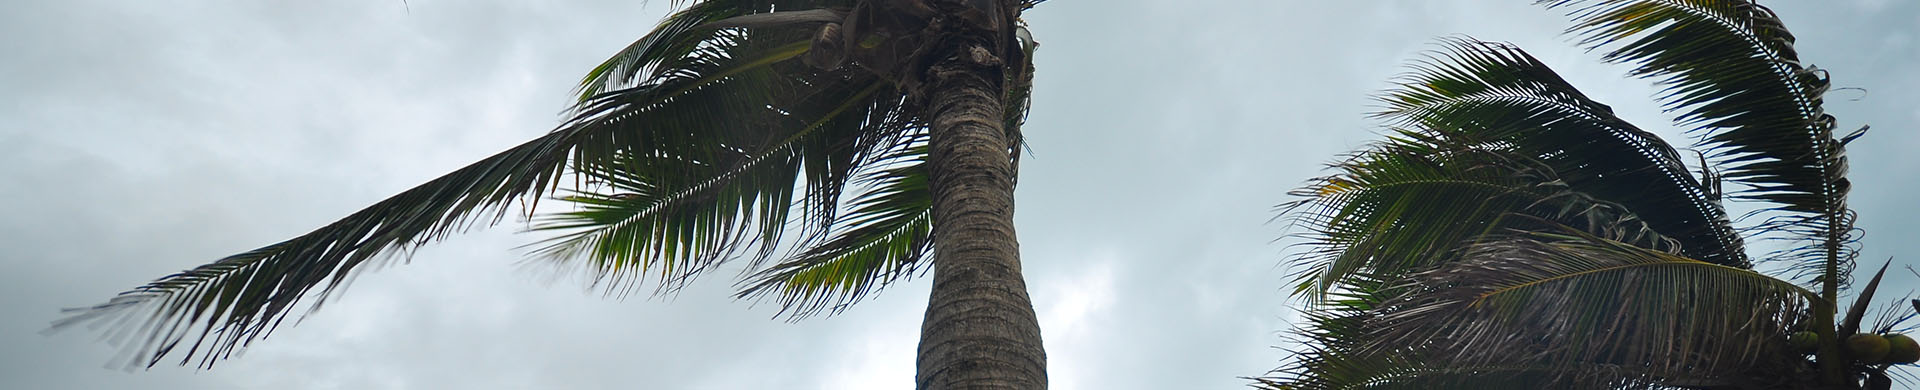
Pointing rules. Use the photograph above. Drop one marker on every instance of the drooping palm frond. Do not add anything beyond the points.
(1494, 142)
(694, 78)
(1408, 204)
(1359, 341)
(1371, 217)
(1518, 125)
(224, 305)
(1591, 300)
(1501, 97)
(884, 238)
(1731, 74)
(1526, 292)
(1334, 354)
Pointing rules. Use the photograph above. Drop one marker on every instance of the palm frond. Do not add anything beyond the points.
(1731, 74)
(885, 238)
(223, 306)
(681, 213)
(1497, 96)
(1492, 295)
(1488, 120)
(1494, 141)
(1568, 298)
(1372, 217)
(1334, 355)
(1409, 204)
(649, 57)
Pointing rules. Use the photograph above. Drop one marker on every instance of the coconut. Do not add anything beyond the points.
(1902, 349)
(1805, 341)
(1867, 347)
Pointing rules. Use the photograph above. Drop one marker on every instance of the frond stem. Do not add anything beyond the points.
(1682, 263)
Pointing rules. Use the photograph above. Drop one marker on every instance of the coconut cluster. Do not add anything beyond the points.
(1868, 348)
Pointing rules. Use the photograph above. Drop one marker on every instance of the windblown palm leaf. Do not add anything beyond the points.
(885, 239)
(1512, 228)
(1336, 354)
(1496, 130)
(1501, 96)
(1732, 75)
(1564, 293)
(697, 144)
(1398, 207)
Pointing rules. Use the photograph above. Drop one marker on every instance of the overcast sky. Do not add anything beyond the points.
(139, 138)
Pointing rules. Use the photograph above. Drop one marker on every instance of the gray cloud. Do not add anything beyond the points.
(143, 138)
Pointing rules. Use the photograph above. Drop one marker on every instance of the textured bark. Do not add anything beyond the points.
(980, 330)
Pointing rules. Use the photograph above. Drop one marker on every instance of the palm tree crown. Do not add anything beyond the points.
(1510, 232)
(792, 134)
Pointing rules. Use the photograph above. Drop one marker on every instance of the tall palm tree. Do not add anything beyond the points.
(837, 146)
(1510, 232)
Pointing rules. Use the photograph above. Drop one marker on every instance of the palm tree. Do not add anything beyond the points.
(837, 146)
(1510, 232)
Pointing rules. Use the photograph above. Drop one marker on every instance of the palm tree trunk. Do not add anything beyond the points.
(980, 331)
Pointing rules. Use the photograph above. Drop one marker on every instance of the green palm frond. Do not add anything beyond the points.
(884, 239)
(1334, 355)
(1383, 213)
(1493, 128)
(648, 58)
(226, 304)
(704, 80)
(1408, 204)
(1731, 74)
(1567, 298)
(1500, 97)
(1650, 289)
(1493, 141)
(679, 214)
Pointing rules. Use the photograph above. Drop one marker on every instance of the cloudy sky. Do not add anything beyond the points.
(140, 138)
